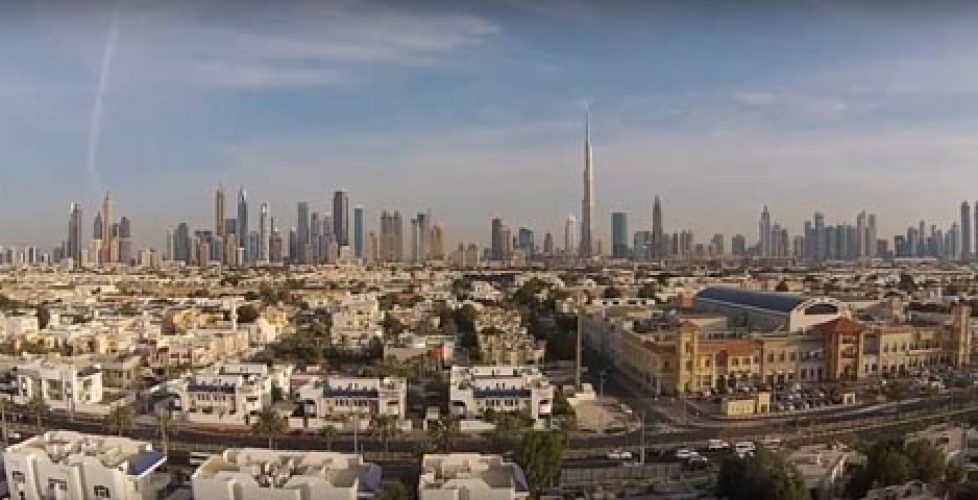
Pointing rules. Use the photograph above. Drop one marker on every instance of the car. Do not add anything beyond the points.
(631, 463)
(771, 441)
(683, 454)
(619, 454)
(744, 447)
(717, 445)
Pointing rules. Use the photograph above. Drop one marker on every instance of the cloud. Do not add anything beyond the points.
(305, 45)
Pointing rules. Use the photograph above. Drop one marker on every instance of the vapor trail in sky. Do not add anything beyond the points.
(95, 124)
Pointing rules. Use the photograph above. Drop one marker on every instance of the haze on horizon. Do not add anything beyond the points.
(475, 110)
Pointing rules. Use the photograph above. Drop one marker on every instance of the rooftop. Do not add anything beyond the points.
(772, 301)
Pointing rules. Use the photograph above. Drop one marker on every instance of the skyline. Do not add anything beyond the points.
(474, 113)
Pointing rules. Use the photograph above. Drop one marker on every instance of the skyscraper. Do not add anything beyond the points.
(243, 222)
(496, 251)
(658, 234)
(975, 231)
(966, 231)
(219, 211)
(872, 237)
(587, 204)
(619, 235)
(75, 236)
(106, 250)
(764, 233)
(358, 231)
(341, 218)
(391, 236)
(263, 234)
(302, 233)
(862, 248)
(570, 236)
(125, 240)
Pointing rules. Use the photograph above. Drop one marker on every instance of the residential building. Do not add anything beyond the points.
(470, 476)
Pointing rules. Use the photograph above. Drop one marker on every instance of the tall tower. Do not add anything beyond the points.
(966, 229)
(106, 249)
(243, 222)
(263, 234)
(658, 240)
(587, 204)
(341, 218)
(219, 211)
(302, 232)
(570, 235)
(358, 231)
(764, 230)
(74, 250)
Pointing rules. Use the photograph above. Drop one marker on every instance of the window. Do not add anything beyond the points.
(102, 492)
(18, 476)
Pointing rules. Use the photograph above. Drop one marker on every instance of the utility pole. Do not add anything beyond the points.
(642, 453)
(580, 333)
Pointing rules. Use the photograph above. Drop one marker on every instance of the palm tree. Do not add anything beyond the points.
(443, 430)
(327, 432)
(269, 424)
(37, 407)
(121, 419)
(4, 406)
(165, 422)
(384, 427)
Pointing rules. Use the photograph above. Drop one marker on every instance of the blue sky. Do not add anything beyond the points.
(475, 110)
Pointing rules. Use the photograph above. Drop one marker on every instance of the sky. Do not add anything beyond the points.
(475, 110)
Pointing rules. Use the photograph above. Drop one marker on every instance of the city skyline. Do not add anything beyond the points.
(728, 118)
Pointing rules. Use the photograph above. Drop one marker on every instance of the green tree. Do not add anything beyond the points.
(886, 465)
(443, 430)
(269, 424)
(327, 432)
(37, 407)
(43, 316)
(165, 422)
(763, 476)
(540, 455)
(782, 287)
(927, 462)
(647, 291)
(394, 491)
(247, 314)
(122, 418)
(612, 293)
(384, 427)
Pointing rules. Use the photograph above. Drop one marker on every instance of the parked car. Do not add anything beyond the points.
(683, 454)
(743, 448)
(619, 454)
(717, 445)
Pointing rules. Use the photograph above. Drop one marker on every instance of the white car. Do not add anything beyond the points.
(619, 454)
(744, 447)
(717, 445)
(771, 441)
(683, 454)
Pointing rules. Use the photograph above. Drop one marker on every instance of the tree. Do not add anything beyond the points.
(327, 432)
(782, 287)
(612, 293)
(647, 291)
(540, 455)
(247, 314)
(269, 424)
(38, 408)
(394, 491)
(927, 462)
(443, 430)
(384, 427)
(43, 316)
(885, 465)
(120, 419)
(763, 476)
(165, 422)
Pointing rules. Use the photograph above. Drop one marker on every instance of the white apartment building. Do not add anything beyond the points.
(470, 476)
(346, 401)
(14, 326)
(356, 322)
(63, 465)
(228, 394)
(261, 474)
(475, 389)
(62, 385)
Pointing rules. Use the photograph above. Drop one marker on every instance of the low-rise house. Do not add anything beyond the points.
(465, 476)
(252, 474)
(230, 393)
(475, 391)
(66, 464)
(348, 401)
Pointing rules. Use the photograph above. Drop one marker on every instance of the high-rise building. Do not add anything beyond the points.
(358, 231)
(872, 237)
(303, 235)
(587, 204)
(125, 240)
(181, 243)
(548, 244)
(975, 231)
(658, 243)
(738, 245)
(391, 236)
(570, 236)
(764, 233)
(619, 235)
(437, 246)
(821, 238)
(496, 240)
(263, 234)
(525, 240)
(966, 231)
(75, 235)
(243, 230)
(107, 240)
(862, 247)
(341, 218)
(219, 211)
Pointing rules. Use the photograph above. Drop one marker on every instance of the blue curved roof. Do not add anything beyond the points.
(772, 301)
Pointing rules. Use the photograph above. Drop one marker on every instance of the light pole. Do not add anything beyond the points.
(579, 347)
